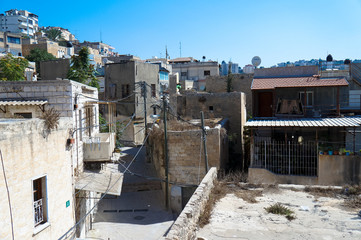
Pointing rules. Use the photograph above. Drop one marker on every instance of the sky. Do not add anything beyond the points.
(275, 30)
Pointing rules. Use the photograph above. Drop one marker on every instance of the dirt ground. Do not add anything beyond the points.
(241, 214)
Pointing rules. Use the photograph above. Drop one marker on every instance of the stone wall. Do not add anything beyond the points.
(240, 83)
(186, 155)
(29, 154)
(216, 105)
(53, 69)
(184, 228)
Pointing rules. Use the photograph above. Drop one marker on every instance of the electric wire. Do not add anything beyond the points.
(8, 193)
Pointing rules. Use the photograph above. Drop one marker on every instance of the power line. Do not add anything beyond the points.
(8, 193)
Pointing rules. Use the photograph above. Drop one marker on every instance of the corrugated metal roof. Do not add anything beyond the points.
(22, 102)
(306, 122)
(272, 83)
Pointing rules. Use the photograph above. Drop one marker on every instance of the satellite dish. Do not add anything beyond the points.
(256, 61)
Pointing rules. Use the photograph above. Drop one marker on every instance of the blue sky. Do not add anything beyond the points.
(276, 30)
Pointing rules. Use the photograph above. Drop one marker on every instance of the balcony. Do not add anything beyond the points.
(99, 148)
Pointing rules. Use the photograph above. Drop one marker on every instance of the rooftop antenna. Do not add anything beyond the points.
(166, 52)
(101, 36)
(180, 49)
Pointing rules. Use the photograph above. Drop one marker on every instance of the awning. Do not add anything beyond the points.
(22, 102)
(306, 122)
(103, 182)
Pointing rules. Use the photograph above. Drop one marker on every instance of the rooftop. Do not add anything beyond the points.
(288, 82)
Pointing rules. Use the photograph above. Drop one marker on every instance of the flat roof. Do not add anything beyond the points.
(354, 121)
(103, 182)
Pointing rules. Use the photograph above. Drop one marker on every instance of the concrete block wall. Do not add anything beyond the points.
(185, 227)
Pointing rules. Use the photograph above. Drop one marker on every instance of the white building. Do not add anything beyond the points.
(190, 69)
(249, 68)
(19, 21)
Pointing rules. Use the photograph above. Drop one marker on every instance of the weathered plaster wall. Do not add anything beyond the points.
(29, 154)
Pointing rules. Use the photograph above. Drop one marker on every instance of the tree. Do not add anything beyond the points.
(37, 55)
(12, 68)
(53, 34)
(81, 70)
(229, 78)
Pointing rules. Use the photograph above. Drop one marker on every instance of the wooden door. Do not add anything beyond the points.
(265, 102)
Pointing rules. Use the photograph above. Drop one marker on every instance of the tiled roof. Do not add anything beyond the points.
(306, 122)
(272, 83)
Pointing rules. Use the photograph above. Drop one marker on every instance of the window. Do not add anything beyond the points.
(1, 40)
(14, 40)
(125, 90)
(207, 73)
(153, 91)
(308, 99)
(23, 115)
(112, 90)
(183, 74)
(40, 201)
(30, 21)
(210, 108)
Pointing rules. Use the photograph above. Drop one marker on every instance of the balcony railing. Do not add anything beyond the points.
(38, 212)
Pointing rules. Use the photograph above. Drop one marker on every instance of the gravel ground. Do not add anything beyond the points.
(316, 218)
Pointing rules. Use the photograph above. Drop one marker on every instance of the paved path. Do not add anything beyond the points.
(135, 214)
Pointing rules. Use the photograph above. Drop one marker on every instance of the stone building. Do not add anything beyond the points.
(76, 104)
(123, 84)
(186, 164)
(240, 83)
(51, 47)
(39, 179)
(217, 105)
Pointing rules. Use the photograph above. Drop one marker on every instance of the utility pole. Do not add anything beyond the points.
(144, 88)
(204, 143)
(165, 151)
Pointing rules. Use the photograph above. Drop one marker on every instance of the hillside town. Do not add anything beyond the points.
(95, 144)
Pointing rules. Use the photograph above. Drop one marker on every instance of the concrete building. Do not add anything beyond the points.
(77, 105)
(105, 50)
(55, 69)
(123, 84)
(225, 67)
(10, 43)
(195, 71)
(19, 21)
(51, 47)
(39, 180)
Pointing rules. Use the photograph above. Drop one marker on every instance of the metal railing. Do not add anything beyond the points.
(38, 212)
(291, 158)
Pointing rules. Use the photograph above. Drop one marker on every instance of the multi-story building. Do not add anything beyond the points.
(104, 49)
(225, 66)
(125, 83)
(54, 164)
(51, 47)
(19, 21)
(65, 33)
(191, 69)
(10, 43)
